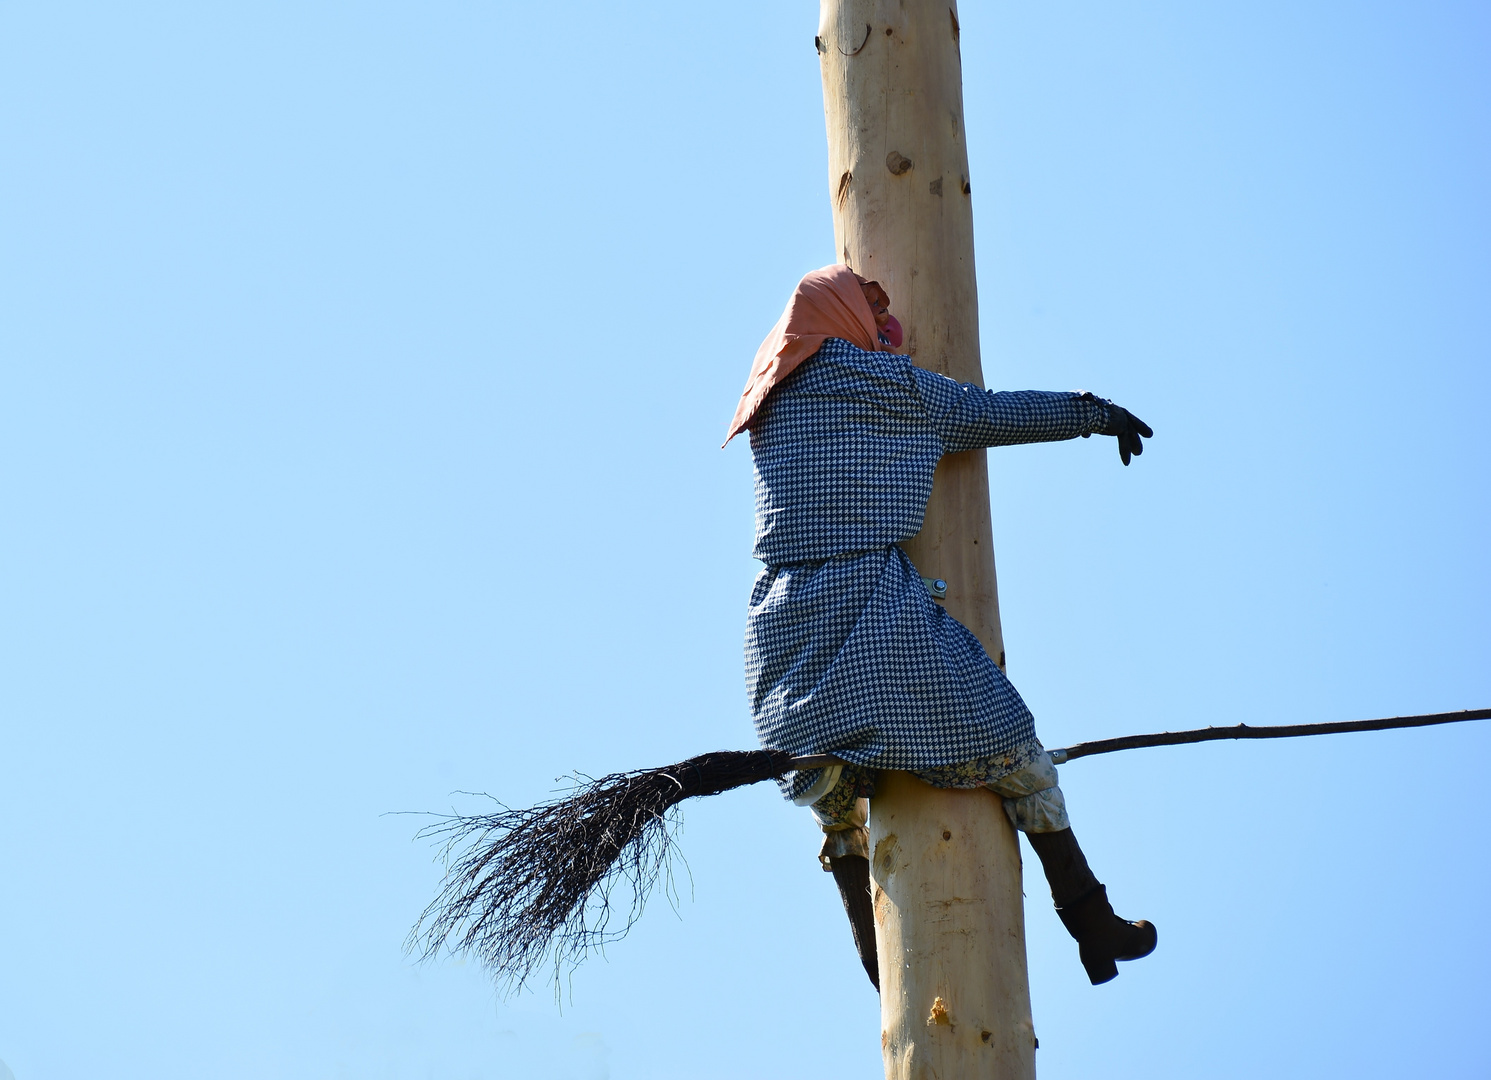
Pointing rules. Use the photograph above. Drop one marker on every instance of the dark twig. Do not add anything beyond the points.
(1245, 731)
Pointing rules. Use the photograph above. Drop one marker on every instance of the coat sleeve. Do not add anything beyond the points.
(967, 418)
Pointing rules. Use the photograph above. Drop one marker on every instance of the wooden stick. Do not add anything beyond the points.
(1211, 734)
(945, 865)
(1245, 731)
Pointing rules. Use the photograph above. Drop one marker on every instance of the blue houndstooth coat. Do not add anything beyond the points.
(846, 652)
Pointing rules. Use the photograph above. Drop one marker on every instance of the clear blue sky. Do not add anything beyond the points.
(362, 374)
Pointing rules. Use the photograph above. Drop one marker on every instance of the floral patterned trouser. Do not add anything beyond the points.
(1025, 779)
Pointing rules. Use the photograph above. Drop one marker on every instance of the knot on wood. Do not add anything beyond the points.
(898, 165)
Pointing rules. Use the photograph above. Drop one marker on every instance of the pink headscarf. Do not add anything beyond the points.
(827, 303)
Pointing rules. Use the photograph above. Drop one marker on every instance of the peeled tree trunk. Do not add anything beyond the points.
(903, 215)
(950, 927)
(945, 866)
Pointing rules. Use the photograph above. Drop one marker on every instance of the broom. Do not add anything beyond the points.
(525, 889)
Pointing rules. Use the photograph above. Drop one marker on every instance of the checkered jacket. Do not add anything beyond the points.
(845, 651)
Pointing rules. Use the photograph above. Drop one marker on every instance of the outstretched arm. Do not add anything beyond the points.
(967, 417)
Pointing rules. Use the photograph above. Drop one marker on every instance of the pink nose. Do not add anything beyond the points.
(892, 332)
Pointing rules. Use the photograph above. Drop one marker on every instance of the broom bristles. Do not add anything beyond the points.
(525, 889)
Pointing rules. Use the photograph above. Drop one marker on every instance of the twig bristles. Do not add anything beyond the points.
(526, 889)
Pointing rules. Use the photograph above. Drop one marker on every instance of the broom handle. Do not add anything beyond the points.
(1209, 734)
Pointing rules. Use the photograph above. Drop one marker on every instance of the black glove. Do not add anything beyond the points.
(1125, 425)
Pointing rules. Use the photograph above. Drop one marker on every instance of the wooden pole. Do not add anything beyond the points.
(945, 865)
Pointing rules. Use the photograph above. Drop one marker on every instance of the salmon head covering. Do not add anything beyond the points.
(827, 303)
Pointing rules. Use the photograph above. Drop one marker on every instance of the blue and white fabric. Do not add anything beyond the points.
(845, 651)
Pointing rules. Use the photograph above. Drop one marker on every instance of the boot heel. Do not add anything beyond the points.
(1102, 937)
(1099, 967)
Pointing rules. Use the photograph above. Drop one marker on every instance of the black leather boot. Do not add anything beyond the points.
(1082, 903)
(852, 876)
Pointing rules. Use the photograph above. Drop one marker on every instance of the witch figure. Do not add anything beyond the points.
(847, 652)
